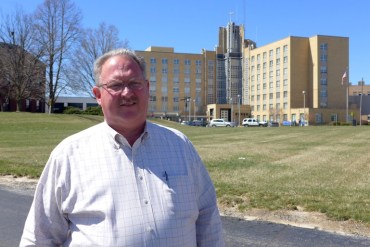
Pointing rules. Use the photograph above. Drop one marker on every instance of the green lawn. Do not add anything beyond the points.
(323, 169)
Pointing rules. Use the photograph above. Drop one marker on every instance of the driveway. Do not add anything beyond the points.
(14, 205)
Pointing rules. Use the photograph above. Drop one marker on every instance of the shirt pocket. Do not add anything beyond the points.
(180, 196)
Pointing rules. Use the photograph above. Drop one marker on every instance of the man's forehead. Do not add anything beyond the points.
(120, 62)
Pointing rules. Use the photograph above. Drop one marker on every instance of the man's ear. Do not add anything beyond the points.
(97, 94)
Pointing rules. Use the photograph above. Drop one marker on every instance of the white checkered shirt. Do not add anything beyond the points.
(97, 190)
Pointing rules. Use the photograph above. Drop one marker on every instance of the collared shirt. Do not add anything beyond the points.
(97, 190)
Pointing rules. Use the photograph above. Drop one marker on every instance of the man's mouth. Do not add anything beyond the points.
(127, 103)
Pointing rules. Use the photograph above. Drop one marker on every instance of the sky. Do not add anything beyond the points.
(192, 25)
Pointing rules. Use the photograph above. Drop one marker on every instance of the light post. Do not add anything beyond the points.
(238, 109)
(194, 109)
(304, 107)
(189, 104)
(232, 109)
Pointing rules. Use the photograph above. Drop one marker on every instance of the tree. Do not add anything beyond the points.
(92, 44)
(22, 73)
(58, 26)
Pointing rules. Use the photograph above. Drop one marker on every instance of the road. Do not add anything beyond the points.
(14, 207)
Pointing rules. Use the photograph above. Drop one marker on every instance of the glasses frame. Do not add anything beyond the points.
(124, 84)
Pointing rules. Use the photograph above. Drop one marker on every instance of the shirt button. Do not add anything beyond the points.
(146, 201)
(148, 229)
(141, 177)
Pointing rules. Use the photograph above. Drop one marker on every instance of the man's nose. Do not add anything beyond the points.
(126, 89)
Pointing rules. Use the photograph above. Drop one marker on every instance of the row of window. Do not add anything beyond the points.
(271, 107)
(176, 61)
(271, 54)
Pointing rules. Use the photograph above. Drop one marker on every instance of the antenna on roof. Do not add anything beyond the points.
(231, 14)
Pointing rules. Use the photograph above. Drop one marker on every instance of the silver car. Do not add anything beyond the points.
(220, 123)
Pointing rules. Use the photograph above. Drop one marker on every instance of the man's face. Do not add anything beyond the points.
(123, 108)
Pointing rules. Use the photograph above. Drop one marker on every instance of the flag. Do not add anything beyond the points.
(344, 77)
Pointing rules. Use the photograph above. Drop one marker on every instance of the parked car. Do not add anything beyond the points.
(198, 123)
(220, 123)
(185, 123)
(250, 122)
(273, 124)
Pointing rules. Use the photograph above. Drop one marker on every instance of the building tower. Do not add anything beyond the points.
(229, 78)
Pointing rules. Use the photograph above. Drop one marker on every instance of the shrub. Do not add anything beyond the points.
(72, 110)
(94, 110)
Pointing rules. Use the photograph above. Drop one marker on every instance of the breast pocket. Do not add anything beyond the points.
(180, 196)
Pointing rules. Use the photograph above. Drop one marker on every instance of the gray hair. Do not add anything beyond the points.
(118, 52)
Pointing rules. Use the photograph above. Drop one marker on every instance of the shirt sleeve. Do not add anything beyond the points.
(45, 224)
(208, 225)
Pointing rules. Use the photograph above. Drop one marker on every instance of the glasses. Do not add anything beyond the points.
(119, 86)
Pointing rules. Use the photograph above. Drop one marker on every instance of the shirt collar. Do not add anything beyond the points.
(120, 139)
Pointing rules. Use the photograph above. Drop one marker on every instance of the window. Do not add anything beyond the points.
(278, 52)
(164, 61)
(323, 81)
(153, 60)
(277, 61)
(176, 61)
(277, 84)
(323, 57)
(285, 48)
(323, 46)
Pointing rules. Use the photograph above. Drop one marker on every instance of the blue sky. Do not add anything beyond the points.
(192, 25)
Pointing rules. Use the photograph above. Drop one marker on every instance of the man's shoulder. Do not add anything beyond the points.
(164, 131)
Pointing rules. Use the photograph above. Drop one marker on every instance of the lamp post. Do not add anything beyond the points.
(304, 107)
(189, 104)
(232, 108)
(194, 109)
(238, 109)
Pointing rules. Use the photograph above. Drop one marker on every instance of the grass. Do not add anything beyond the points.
(324, 169)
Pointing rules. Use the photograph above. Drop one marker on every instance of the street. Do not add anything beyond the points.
(15, 205)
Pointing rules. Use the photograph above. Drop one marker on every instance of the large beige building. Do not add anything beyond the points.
(292, 79)
(297, 78)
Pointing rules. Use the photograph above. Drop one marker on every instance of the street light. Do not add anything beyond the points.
(239, 109)
(189, 104)
(232, 108)
(194, 109)
(304, 107)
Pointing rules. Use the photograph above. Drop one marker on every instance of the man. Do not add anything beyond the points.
(126, 181)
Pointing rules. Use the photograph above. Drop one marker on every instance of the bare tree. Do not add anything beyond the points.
(58, 27)
(22, 73)
(92, 44)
